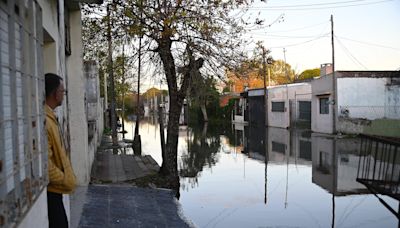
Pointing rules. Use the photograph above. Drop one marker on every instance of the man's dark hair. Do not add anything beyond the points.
(52, 81)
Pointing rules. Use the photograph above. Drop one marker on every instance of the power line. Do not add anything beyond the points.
(296, 44)
(317, 4)
(267, 35)
(370, 44)
(301, 28)
(315, 8)
(348, 53)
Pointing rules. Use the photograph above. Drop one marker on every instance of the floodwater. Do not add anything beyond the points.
(298, 179)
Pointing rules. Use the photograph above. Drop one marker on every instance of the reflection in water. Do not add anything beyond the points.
(241, 176)
(203, 144)
(311, 177)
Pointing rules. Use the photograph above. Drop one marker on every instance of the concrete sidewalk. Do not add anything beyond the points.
(127, 206)
(110, 202)
(114, 165)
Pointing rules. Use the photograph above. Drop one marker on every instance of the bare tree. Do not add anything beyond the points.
(185, 36)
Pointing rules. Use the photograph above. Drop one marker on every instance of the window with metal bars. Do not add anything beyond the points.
(324, 105)
(23, 143)
(278, 106)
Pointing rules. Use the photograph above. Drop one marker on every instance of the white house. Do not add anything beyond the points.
(36, 37)
(289, 104)
(357, 102)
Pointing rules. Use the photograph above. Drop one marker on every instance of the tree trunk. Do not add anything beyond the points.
(204, 111)
(172, 136)
(169, 166)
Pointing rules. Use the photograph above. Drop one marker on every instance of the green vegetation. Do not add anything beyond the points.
(309, 73)
(107, 131)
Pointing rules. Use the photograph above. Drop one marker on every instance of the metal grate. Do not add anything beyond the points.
(379, 165)
(23, 145)
(278, 106)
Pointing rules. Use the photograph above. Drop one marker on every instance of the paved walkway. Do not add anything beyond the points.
(126, 206)
(110, 202)
(115, 165)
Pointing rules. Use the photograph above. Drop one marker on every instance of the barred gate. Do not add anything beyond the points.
(379, 167)
(23, 143)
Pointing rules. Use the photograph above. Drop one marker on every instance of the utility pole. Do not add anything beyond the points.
(264, 56)
(137, 142)
(111, 75)
(284, 58)
(123, 90)
(287, 89)
(105, 91)
(334, 94)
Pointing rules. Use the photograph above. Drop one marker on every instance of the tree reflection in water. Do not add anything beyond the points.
(203, 145)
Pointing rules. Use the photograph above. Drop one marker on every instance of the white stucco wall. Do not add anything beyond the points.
(51, 58)
(368, 105)
(76, 94)
(49, 13)
(321, 122)
(289, 94)
(278, 119)
(362, 97)
(37, 214)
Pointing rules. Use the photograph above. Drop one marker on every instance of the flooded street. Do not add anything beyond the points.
(306, 179)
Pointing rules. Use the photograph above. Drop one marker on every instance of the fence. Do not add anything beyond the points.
(379, 167)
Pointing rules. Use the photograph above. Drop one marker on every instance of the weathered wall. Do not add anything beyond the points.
(76, 95)
(361, 97)
(392, 102)
(321, 122)
(94, 107)
(369, 106)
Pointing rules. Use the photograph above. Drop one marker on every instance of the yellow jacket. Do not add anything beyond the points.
(61, 176)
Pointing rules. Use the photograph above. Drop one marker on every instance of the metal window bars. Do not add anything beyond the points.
(23, 143)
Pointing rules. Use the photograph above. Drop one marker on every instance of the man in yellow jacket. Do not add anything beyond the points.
(61, 176)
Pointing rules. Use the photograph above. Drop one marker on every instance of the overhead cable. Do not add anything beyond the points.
(368, 43)
(270, 8)
(348, 53)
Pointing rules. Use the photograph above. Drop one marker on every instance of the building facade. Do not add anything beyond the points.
(289, 104)
(355, 102)
(37, 37)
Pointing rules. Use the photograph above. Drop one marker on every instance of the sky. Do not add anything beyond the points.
(367, 32)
